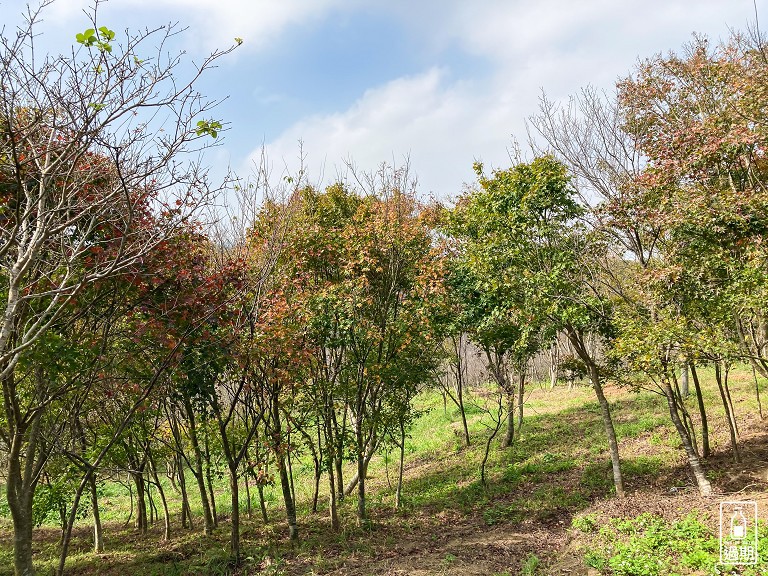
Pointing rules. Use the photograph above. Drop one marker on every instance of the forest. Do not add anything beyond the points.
(269, 375)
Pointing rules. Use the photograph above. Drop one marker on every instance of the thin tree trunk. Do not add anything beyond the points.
(316, 487)
(248, 507)
(520, 398)
(610, 431)
(339, 450)
(141, 503)
(757, 393)
(495, 431)
(285, 481)
(509, 436)
(554, 359)
(290, 507)
(98, 535)
(338, 464)
(684, 380)
(462, 411)
(399, 491)
(369, 452)
(186, 513)
(705, 488)
(728, 415)
(290, 470)
(332, 511)
(577, 340)
(459, 367)
(153, 516)
(318, 469)
(163, 500)
(197, 471)
(361, 471)
(234, 539)
(209, 481)
(130, 511)
(262, 503)
(705, 451)
(726, 372)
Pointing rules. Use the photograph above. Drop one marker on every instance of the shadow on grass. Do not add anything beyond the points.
(559, 465)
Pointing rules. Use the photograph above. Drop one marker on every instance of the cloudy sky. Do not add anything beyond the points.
(443, 82)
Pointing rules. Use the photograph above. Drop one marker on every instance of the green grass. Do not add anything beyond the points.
(648, 545)
(557, 468)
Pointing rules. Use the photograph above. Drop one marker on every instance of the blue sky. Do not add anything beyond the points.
(444, 82)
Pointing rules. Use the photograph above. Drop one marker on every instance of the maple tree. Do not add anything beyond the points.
(528, 258)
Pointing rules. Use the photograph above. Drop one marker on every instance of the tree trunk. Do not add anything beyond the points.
(246, 483)
(329, 442)
(19, 498)
(728, 415)
(757, 393)
(577, 340)
(361, 471)
(338, 435)
(705, 488)
(21, 481)
(22, 542)
(98, 536)
(554, 359)
(462, 412)
(318, 465)
(262, 503)
(509, 436)
(726, 371)
(316, 488)
(290, 506)
(186, 512)
(209, 481)
(285, 481)
(369, 452)
(163, 500)
(399, 491)
(520, 399)
(610, 432)
(289, 460)
(684, 380)
(130, 496)
(338, 464)
(234, 538)
(153, 515)
(197, 471)
(497, 427)
(702, 411)
(141, 503)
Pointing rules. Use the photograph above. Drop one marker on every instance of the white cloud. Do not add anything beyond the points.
(213, 23)
(437, 123)
(444, 123)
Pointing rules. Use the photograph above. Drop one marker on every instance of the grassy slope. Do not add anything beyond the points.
(522, 520)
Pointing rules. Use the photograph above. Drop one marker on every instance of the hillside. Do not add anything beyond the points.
(547, 508)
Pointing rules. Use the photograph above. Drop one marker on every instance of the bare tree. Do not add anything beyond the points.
(95, 171)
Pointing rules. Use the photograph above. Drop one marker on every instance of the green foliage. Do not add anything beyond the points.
(208, 128)
(530, 565)
(100, 38)
(648, 545)
(586, 523)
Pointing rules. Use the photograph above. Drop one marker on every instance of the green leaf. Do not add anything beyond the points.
(106, 33)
